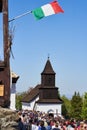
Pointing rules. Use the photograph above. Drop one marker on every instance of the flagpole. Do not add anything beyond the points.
(20, 16)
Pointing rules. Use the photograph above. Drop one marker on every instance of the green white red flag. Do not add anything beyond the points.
(48, 9)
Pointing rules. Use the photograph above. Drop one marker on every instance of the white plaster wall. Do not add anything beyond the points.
(29, 106)
(56, 108)
(26, 106)
(12, 97)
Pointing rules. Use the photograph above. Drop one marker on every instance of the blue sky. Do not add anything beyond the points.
(61, 36)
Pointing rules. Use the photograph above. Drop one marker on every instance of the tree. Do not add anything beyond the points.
(76, 106)
(84, 107)
(66, 107)
(19, 97)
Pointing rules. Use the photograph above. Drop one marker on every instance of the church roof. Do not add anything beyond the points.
(32, 94)
(48, 69)
(48, 101)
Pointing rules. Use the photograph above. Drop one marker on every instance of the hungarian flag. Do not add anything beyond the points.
(0, 6)
(48, 9)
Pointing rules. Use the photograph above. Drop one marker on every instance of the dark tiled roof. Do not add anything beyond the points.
(35, 91)
(32, 94)
(48, 68)
(48, 101)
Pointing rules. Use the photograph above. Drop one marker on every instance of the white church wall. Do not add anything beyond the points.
(26, 106)
(55, 108)
(29, 106)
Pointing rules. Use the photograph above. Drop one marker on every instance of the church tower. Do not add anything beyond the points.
(48, 89)
(48, 101)
(48, 75)
(44, 97)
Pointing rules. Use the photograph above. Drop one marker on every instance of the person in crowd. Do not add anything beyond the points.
(21, 126)
(48, 127)
(41, 125)
(56, 126)
(85, 126)
(53, 123)
(35, 125)
(80, 126)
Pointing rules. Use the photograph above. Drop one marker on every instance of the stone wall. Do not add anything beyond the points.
(8, 119)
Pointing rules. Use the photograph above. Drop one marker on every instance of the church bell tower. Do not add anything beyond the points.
(5, 63)
(48, 91)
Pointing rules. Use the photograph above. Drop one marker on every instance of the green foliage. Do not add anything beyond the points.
(59, 94)
(19, 97)
(84, 107)
(66, 107)
(76, 106)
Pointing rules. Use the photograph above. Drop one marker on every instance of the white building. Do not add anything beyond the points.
(14, 78)
(44, 97)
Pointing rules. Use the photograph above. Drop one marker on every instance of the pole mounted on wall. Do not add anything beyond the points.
(19, 16)
(5, 69)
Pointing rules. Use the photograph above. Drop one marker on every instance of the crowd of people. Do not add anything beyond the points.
(32, 120)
